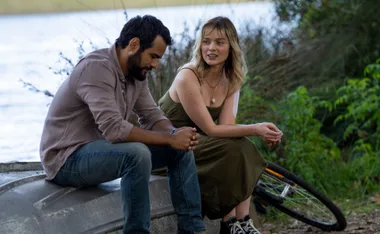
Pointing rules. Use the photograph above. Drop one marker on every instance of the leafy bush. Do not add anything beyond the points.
(361, 98)
(308, 152)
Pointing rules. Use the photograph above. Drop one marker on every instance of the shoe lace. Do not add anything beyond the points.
(235, 228)
(249, 227)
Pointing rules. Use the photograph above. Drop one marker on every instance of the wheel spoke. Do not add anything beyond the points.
(296, 198)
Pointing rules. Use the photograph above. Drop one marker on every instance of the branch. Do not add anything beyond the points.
(33, 88)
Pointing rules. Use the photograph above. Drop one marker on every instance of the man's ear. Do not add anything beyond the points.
(134, 44)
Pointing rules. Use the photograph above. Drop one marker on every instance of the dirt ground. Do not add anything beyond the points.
(366, 223)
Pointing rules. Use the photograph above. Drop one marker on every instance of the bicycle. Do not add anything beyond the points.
(292, 195)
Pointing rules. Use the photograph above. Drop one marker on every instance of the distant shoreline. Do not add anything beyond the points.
(19, 7)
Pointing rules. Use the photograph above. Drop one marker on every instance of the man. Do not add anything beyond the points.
(87, 139)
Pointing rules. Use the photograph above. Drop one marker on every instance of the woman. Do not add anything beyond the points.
(205, 94)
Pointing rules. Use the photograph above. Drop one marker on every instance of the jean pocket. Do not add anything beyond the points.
(69, 178)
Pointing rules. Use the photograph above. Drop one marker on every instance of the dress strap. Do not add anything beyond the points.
(199, 79)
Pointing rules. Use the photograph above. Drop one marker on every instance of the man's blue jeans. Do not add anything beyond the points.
(101, 161)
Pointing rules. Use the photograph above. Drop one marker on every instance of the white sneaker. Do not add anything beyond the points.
(247, 226)
(231, 226)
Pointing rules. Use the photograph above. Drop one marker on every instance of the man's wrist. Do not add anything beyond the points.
(172, 131)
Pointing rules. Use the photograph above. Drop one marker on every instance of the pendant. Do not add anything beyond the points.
(213, 100)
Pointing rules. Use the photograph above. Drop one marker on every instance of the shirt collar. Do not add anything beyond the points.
(113, 54)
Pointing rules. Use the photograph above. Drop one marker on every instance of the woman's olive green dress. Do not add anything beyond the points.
(228, 168)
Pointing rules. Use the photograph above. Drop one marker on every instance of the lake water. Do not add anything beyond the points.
(30, 44)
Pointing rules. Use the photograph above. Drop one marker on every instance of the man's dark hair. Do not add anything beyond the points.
(146, 28)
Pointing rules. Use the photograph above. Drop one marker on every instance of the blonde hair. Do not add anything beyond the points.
(235, 66)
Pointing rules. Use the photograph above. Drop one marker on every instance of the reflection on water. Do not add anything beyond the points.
(30, 44)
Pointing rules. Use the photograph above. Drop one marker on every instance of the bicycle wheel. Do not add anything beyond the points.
(292, 195)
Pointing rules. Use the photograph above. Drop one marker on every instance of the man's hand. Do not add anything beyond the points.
(185, 138)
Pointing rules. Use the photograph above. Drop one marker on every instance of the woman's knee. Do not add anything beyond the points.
(233, 145)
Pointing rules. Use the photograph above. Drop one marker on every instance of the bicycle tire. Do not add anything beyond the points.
(284, 174)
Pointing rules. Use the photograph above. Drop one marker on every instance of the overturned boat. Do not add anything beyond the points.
(29, 204)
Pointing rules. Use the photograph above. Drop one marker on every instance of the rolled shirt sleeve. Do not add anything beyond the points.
(96, 87)
(146, 108)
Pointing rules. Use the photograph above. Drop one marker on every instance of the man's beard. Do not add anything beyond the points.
(135, 70)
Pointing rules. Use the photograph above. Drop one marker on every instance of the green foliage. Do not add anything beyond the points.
(308, 152)
(331, 40)
(250, 104)
(365, 170)
(289, 10)
(255, 109)
(355, 23)
(362, 100)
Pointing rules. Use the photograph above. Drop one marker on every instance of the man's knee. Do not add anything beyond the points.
(137, 155)
(187, 156)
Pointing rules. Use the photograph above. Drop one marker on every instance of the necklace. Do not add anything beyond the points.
(213, 100)
(213, 87)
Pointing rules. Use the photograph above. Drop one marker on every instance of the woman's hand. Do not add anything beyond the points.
(268, 132)
(271, 143)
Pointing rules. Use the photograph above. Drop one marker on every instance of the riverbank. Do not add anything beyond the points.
(11, 7)
(363, 216)
(366, 223)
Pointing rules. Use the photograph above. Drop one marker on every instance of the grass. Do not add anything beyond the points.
(350, 207)
(360, 206)
(51, 6)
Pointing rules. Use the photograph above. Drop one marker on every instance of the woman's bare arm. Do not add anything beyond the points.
(187, 88)
(230, 108)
